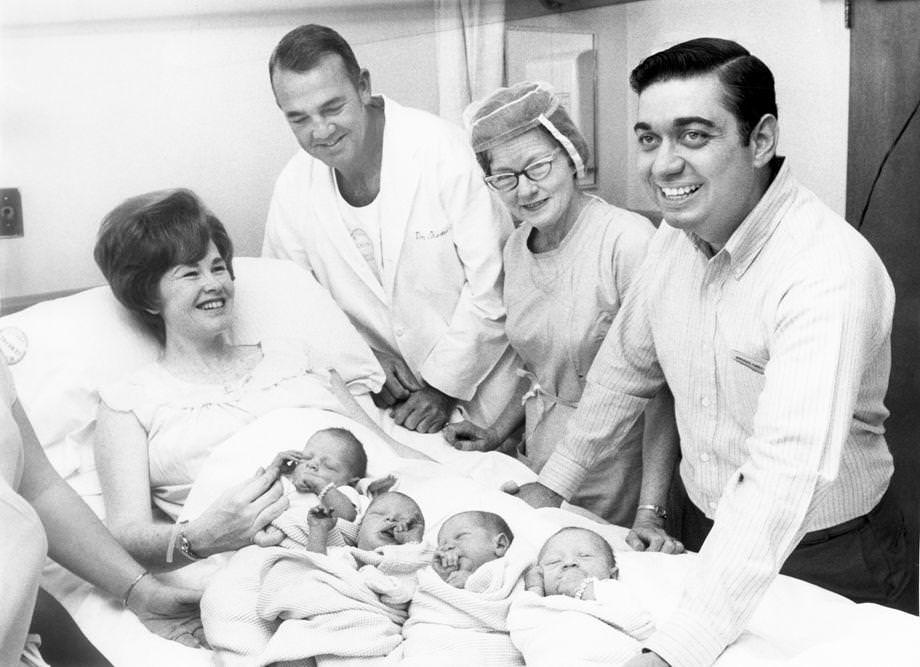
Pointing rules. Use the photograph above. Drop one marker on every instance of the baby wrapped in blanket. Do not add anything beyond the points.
(330, 471)
(458, 615)
(289, 604)
(575, 611)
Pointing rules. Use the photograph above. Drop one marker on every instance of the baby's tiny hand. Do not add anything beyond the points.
(457, 578)
(307, 480)
(444, 562)
(381, 485)
(405, 532)
(320, 518)
(285, 462)
(533, 580)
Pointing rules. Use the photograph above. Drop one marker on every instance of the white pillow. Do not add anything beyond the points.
(77, 343)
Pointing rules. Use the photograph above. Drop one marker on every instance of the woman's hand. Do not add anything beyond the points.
(469, 437)
(151, 599)
(168, 611)
(238, 514)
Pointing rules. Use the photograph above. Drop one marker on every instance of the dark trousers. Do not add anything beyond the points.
(864, 559)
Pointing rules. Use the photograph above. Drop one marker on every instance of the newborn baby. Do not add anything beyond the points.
(391, 518)
(389, 549)
(570, 563)
(575, 609)
(328, 469)
(468, 540)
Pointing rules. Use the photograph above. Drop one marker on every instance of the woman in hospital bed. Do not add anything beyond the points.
(169, 261)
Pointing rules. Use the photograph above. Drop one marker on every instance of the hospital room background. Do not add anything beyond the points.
(103, 99)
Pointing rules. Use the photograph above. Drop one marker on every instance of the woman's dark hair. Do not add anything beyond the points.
(302, 49)
(747, 83)
(145, 236)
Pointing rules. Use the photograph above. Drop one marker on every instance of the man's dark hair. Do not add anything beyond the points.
(304, 47)
(748, 86)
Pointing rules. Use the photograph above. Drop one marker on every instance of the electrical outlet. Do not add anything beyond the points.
(10, 213)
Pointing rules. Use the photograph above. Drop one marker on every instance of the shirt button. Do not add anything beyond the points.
(713, 504)
(704, 457)
(400, 331)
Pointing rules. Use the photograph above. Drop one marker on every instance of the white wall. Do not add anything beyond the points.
(609, 24)
(805, 45)
(103, 99)
(109, 101)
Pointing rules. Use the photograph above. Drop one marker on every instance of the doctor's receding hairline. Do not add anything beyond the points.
(304, 47)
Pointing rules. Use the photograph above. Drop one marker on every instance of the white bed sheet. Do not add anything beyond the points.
(797, 623)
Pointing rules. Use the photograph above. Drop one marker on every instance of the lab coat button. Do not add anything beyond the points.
(712, 505)
(704, 457)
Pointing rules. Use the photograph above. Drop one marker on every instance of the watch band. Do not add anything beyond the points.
(659, 511)
(185, 547)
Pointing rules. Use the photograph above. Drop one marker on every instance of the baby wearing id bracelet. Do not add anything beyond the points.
(331, 469)
(573, 593)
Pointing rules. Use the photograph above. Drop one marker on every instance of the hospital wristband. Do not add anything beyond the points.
(124, 601)
(326, 489)
(583, 586)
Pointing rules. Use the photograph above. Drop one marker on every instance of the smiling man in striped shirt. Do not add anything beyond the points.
(769, 317)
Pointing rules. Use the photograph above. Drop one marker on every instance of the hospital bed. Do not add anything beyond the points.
(75, 344)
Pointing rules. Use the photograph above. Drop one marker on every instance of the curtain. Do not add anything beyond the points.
(470, 52)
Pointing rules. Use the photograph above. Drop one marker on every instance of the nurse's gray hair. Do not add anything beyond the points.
(304, 47)
(510, 112)
(145, 236)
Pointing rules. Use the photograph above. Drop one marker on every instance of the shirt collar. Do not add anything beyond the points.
(748, 240)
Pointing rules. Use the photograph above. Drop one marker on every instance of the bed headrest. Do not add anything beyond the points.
(77, 343)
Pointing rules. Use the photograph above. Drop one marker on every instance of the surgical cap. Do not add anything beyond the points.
(510, 112)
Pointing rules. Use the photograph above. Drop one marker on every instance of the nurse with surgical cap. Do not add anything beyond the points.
(568, 264)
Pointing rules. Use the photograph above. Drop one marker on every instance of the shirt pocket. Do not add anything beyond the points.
(745, 382)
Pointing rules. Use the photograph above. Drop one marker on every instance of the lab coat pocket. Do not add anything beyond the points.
(745, 382)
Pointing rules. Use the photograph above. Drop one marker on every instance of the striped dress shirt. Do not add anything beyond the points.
(777, 351)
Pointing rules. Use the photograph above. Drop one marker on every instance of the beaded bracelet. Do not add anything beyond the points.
(326, 489)
(124, 602)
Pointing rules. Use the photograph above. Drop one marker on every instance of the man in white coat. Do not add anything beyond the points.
(386, 206)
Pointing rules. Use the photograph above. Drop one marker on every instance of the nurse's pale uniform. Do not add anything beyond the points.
(560, 305)
(23, 544)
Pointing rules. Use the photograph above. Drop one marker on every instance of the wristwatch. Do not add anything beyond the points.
(659, 511)
(185, 547)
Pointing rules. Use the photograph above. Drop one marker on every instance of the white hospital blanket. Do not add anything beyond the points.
(560, 630)
(275, 604)
(797, 624)
(469, 625)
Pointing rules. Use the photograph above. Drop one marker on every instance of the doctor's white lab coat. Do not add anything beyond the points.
(440, 302)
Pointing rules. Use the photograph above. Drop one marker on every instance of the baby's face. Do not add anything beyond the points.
(474, 545)
(325, 455)
(391, 519)
(567, 559)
